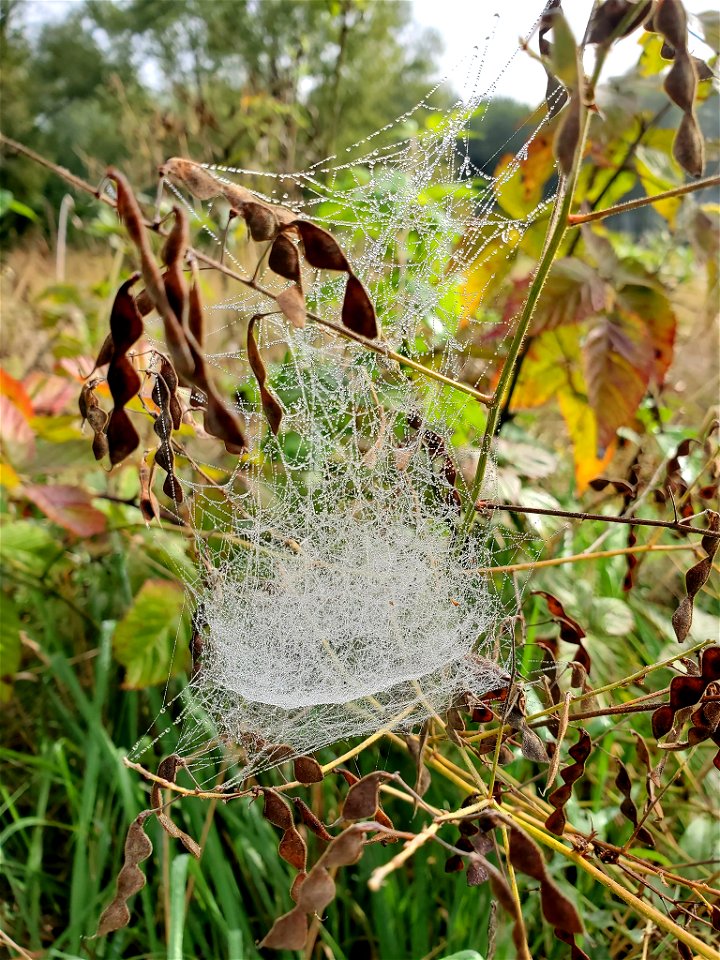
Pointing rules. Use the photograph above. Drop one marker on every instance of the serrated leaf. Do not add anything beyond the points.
(146, 640)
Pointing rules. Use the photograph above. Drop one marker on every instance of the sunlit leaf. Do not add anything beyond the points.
(589, 457)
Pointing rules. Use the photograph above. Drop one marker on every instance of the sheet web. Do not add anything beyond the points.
(332, 597)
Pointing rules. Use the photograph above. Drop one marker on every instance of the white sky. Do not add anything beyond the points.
(463, 24)
(492, 26)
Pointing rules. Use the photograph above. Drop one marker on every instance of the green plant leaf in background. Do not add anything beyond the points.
(151, 639)
(10, 651)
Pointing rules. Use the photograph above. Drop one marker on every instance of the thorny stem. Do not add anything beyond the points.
(625, 681)
(580, 557)
(575, 219)
(556, 232)
(676, 525)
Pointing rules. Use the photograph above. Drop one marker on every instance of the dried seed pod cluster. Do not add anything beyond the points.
(271, 223)
(670, 20)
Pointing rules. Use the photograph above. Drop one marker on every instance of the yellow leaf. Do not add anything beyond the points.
(580, 421)
(546, 368)
(8, 478)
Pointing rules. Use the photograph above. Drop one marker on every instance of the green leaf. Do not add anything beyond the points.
(10, 646)
(8, 204)
(28, 544)
(151, 639)
(464, 955)
(564, 52)
(611, 616)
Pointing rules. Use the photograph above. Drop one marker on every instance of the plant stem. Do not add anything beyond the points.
(645, 909)
(556, 232)
(676, 525)
(580, 557)
(575, 219)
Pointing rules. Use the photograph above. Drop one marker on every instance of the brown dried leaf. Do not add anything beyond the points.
(681, 82)
(345, 849)
(130, 879)
(292, 304)
(557, 909)
(174, 831)
(321, 248)
(525, 855)
(284, 259)
(670, 20)
(312, 822)
(317, 891)
(292, 849)
(289, 932)
(276, 809)
(689, 146)
(308, 770)
(261, 221)
(270, 404)
(568, 134)
(609, 16)
(122, 437)
(358, 313)
(362, 797)
(200, 182)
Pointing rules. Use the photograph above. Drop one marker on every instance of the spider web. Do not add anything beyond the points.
(333, 596)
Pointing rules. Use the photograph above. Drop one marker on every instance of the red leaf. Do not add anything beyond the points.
(69, 507)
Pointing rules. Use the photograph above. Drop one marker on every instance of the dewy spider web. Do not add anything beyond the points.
(337, 601)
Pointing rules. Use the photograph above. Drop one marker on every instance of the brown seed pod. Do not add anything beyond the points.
(689, 146)
(670, 20)
(681, 81)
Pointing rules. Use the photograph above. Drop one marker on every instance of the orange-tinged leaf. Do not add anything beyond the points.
(69, 507)
(519, 186)
(484, 263)
(653, 309)
(16, 392)
(16, 434)
(590, 460)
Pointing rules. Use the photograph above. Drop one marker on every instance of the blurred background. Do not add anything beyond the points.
(91, 600)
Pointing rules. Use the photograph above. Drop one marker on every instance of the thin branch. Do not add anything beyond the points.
(580, 557)
(378, 348)
(575, 219)
(675, 525)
